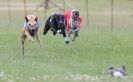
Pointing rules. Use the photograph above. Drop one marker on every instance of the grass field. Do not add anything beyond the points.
(85, 60)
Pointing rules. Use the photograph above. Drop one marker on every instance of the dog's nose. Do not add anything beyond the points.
(33, 30)
(60, 24)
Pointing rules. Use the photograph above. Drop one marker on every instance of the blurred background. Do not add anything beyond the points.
(96, 13)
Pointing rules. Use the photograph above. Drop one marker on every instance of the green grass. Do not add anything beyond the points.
(90, 55)
(85, 60)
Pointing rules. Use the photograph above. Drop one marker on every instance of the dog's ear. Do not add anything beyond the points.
(36, 19)
(26, 19)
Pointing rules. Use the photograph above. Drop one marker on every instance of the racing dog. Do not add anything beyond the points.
(117, 72)
(30, 30)
(73, 22)
(56, 23)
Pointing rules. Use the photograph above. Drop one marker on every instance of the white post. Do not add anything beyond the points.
(112, 15)
(87, 13)
(25, 8)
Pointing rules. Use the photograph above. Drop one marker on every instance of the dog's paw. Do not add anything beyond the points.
(44, 33)
(31, 39)
(66, 40)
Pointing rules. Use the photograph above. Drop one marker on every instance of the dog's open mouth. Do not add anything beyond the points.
(32, 32)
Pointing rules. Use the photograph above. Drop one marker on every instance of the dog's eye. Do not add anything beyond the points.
(30, 24)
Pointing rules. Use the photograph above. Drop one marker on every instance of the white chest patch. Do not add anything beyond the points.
(74, 23)
(118, 74)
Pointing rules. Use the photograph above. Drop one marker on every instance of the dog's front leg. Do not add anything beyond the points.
(30, 38)
(64, 35)
(37, 37)
(23, 37)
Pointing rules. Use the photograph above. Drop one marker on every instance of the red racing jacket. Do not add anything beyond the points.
(68, 17)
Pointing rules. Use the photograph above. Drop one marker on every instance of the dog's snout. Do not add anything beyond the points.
(33, 30)
(60, 24)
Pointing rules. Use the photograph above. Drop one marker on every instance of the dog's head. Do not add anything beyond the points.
(75, 14)
(60, 19)
(31, 21)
